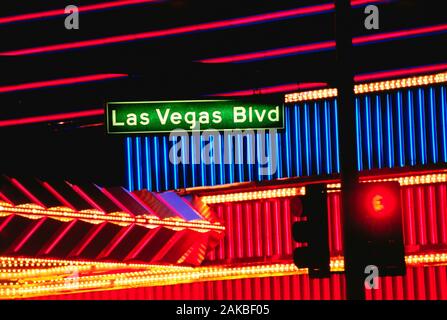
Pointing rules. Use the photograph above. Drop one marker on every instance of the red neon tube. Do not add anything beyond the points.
(60, 82)
(326, 45)
(60, 12)
(230, 23)
(272, 89)
(53, 117)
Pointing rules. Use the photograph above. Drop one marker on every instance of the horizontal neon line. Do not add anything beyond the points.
(272, 89)
(60, 12)
(53, 117)
(60, 82)
(400, 72)
(96, 217)
(326, 45)
(369, 87)
(208, 26)
(272, 53)
(358, 78)
(55, 282)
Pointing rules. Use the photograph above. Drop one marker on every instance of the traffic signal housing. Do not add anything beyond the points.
(311, 231)
(375, 233)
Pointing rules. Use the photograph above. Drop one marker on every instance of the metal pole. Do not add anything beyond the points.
(347, 136)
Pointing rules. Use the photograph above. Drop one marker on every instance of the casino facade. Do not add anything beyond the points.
(223, 231)
(146, 227)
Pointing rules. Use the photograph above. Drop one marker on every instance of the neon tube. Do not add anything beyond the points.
(208, 26)
(59, 12)
(326, 45)
(61, 82)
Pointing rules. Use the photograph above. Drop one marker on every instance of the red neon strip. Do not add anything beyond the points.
(326, 45)
(272, 89)
(266, 90)
(399, 34)
(443, 213)
(117, 240)
(60, 82)
(3, 198)
(57, 195)
(239, 231)
(60, 236)
(86, 197)
(143, 242)
(85, 243)
(27, 193)
(115, 201)
(6, 222)
(400, 72)
(272, 53)
(60, 12)
(420, 207)
(53, 117)
(29, 234)
(230, 23)
(431, 215)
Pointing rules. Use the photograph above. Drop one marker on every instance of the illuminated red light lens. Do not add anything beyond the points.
(379, 201)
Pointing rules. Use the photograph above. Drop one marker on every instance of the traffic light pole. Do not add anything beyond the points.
(354, 272)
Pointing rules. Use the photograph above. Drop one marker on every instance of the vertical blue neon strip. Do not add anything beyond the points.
(288, 143)
(278, 156)
(202, 163)
(422, 130)
(249, 159)
(327, 135)
(317, 138)
(389, 129)
(400, 130)
(433, 127)
(193, 160)
(138, 158)
(379, 132)
(337, 142)
(369, 138)
(166, 163)
(175, 165)
(269, 154)
(221, 159)
(240, 160)
(299, 167)
(185, 152)
(129, 158)
(444, 122)
(147, 153)
(307, 139)
(358, 129)
(157, 164)
(231, 156)
(411, 133)
(213, 161)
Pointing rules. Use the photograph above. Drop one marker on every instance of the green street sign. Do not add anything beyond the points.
(165, 116)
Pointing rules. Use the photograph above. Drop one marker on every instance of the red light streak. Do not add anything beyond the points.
(266, 90)
(400, 72)
(208, 26)
(272, 89)
(60, 12)
(53, 117)
(326, 45)
(60, 82)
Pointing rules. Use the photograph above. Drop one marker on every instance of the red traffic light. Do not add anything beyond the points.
(379, 200)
